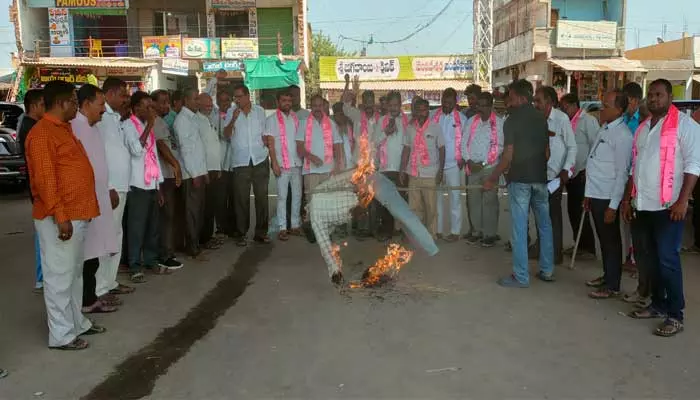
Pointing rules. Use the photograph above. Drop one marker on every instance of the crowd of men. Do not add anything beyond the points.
(121, 182)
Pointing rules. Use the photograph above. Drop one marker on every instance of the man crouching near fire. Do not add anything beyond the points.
(333, 201)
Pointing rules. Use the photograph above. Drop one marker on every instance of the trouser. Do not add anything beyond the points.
(384, 220)
(257, 176)
(229, 224)
(483, 205)
(143, 228)
(124, 259)
(63, 280)
(106, 277)
(289, 181)
(610, 243)
(37, 260)
(423, 202)
(576, 189)
(194, 201)
(210, 212)
(522, 197)
(451, 177)
(90, 268)
(167, 220)
(657, 246)
(557, 222)
(696, 215)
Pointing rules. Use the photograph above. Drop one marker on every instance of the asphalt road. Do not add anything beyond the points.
(266, 323)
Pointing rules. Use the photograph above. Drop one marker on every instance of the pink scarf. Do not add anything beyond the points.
(151, 170)
(458, 132)
(351, 135)
(667, 154)
(364, 123)
(327, 140)
(420, 147)
(283, 136)
(575, 119)
(383, 157)
(493, 149)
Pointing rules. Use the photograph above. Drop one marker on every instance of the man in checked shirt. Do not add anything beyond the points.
(333, 202)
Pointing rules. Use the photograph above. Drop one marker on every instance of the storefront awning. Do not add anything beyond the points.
(424, 85)
(269, 72)
(696, 78)
(618, 64)
(107, 62)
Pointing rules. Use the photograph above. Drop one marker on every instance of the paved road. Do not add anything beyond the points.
(266, 323)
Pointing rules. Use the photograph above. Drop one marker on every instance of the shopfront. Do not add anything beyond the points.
(591, 78)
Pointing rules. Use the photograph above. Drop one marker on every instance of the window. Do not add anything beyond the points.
(232, 23)
(168, 23)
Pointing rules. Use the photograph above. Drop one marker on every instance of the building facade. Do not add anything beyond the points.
(156, 44)
(573, 45)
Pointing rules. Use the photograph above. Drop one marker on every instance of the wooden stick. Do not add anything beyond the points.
(578, 239)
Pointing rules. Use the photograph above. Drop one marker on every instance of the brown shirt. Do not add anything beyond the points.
(62, 180)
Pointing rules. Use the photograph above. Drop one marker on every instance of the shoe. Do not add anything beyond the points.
(473, 239)
(596, 283)
(488, 242)
(545, 277)
(603, 294)
(337, 278)
(511, 282)
(171, 263)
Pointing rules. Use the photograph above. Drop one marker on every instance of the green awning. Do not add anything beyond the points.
(269, 72)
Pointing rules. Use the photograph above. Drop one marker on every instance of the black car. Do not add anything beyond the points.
(13, 168)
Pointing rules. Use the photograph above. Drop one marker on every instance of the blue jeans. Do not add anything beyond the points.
(657, 247)
(37, 258)
(522, 196)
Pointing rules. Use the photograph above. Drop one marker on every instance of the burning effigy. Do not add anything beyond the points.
(332, 203)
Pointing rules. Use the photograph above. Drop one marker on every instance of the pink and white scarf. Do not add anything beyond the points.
(364, 123)
(383, 157)
(575, 120)
(458, 131)
(420, 148)
(493, 149)
(286, 164)
(151, 170)
(327, 140)
(667, 154)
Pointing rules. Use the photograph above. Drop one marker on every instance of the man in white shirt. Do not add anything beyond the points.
(453, 126)
(119, 172)
(607, 173)
(144, 199)
(347, 133)
(280, 134)
(193, 159)
(665, 169)
(585, 128)
(212, 150)
(251, 166)
(423, 158)
(387, 141)
(319, 145)
(562, 145)
(224, 126)
(482, 146)
(214, 85)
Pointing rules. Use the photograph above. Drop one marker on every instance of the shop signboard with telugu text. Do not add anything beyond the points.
(369, 69)
(239, 48)
(76, 76)
(458, 67)
(401, 68)
(601, 35)
(176, 66)
(161, 46)
(201, 48)
(217, 66)
(233, 4)
(92, 3)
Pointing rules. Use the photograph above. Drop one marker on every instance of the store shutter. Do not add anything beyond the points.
(270, 22)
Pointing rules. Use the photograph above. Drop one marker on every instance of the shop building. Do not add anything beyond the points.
(424, 76)
(573, 45)
(160, 45)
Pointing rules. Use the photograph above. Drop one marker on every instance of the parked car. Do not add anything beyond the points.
(687, 106)
(13, 168)
(10, 113)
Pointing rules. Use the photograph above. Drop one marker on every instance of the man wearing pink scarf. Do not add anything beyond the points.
(665, 168)
(144, 200)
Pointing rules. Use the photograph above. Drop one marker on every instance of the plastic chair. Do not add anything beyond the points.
(95, 48)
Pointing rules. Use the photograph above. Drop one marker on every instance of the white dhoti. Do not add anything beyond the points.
(451, 177)
(63, 280)
(106, 275)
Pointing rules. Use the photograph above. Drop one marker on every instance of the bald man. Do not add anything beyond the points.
(212, 149)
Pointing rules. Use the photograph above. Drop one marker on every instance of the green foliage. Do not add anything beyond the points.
(321, 45)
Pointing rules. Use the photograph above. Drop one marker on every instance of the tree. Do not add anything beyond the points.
(321, 45)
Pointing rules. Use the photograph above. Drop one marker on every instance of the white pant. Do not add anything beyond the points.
(291, 177)
(63, 280)
(106, 275)
(451, 177)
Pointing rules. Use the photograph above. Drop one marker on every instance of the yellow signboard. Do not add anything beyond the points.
(401, 68)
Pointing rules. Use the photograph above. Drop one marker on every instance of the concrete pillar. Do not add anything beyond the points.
(211, 19)
(568, 81)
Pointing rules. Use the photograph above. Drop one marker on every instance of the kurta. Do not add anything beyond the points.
(101, 237)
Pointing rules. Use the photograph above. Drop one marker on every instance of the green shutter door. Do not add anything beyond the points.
(270, 22)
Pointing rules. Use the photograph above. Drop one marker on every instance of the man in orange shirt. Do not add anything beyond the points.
(63, 188)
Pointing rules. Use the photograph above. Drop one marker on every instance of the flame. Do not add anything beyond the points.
(388, 266)
(365, 168)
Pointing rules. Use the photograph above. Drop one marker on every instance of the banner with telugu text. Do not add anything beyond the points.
(333, 69)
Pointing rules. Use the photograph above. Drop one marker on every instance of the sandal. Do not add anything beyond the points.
(296, 232)
(597, 282)
(603, 294)
(99, 308)
(647, 313)
(94, 330)
(160, 270)
(670, 327)
(122, 289)
(110, 300)
(283, 236)
(77, 344)
(138, 277)
(262, 239)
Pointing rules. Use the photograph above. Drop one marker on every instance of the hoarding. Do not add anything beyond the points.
(201, 48)
(92, 4)
(239, 48)
(459, 67)
(600, 35)
(333, 69)
(161, 46)
(76, 76)
(233, 4)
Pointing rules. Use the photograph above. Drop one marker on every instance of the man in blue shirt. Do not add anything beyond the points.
(634, 94)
